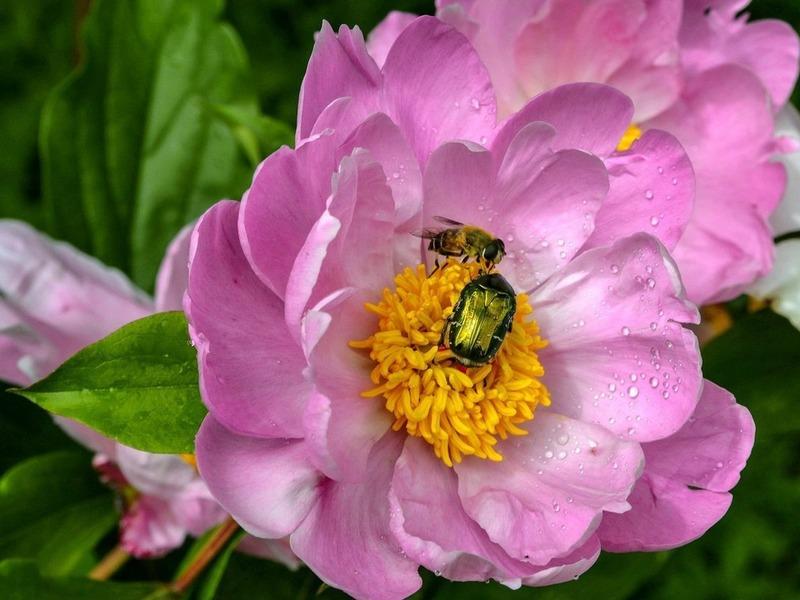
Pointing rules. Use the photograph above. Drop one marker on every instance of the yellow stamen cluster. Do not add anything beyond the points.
(632, 134)
(459, 411)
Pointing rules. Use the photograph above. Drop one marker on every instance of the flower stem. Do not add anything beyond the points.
(110, 563)
(204, 556)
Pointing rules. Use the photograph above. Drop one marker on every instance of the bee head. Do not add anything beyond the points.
(494, 251)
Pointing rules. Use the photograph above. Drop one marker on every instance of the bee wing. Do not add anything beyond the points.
(447, 221)
(427, 234)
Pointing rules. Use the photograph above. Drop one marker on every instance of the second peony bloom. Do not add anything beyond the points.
(337, 419)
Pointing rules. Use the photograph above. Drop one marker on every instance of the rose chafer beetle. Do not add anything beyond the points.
(480, 320)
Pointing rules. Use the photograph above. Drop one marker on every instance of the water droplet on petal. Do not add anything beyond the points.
(648, 194)
(633, 391)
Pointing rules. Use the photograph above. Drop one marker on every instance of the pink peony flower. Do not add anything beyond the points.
(692, 68)
(336, 418)
(54, 300)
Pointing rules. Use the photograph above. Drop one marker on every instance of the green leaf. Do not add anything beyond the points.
(54, 509)
(139, 386)
(131, 149)
(258, 135)
(20, 580)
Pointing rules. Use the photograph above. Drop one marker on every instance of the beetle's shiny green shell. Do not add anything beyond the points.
(480, 319)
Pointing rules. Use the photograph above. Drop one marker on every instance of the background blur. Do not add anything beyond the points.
(752, 553)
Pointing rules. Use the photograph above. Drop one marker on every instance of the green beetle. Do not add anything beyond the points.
(480, 320)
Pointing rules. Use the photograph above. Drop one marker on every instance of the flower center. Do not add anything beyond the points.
(460, 411)
(633, 133)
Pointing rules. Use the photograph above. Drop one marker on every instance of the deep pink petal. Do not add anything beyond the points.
(339, 66)
(547, 496)
(346, 539)
(341, 427)
(268, 486)
(687, 478)
(618, 354)
(652, 190)
(436, 88)
(586, 116)
(251, 370)
(355, 230)
(173, 274)
(381, 39)
(567, 568)
(432, 527)
(284, 201)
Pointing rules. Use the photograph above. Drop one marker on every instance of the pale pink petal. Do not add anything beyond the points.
(286, 198)
(786, 218)
(687, 479)
(436, 88)
(162, 475)
(276, 550)
(547, 496)
(268, 486)
(782, 285)
(341, 427)
(769, 48)
(346, 539)
(54, 300)
(586, 116)
(432, 527)
(88, 437)
(149, 528)
(618, 354)
(251, 370)
(381, 39)
(173, 275)
(652, 190)
(355, 230)
(725, 124)
(339, 66)
(196, 508)
(577, 41)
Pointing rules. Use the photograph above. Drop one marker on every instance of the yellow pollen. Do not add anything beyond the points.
(459, 411)
(633, 133)
(189, 459)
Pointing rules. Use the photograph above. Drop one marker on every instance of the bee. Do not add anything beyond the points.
(464, 240)
(480, 320)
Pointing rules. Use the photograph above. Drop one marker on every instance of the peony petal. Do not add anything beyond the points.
(54, 300)
(162, 475)
(346, 540)
(173, 275)
(381, 39)
(586, 116)
(652, 189)
(341, 427)
(786, 218)
(387, 146)
(339, 66)
(286, 198)
(618, 355)
(684, 489)
(577, 41)
(569, 567)
(546, 497)
(782, 284)
(430, 56)
(267, 485)
(251, 371)
(351, 233)
(725, 123)
(432, 527)
(149, 528)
